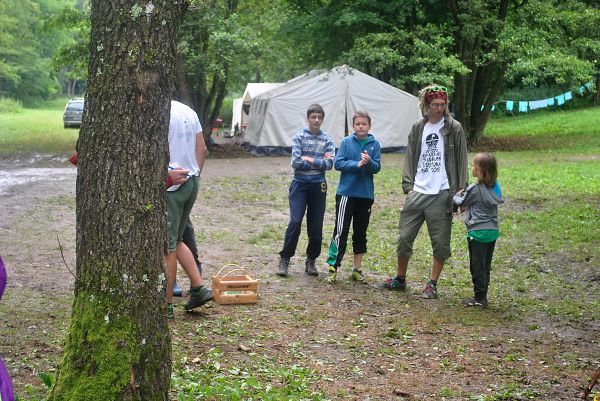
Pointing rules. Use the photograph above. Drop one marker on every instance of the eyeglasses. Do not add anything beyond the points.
(436, 88)
(437, 105)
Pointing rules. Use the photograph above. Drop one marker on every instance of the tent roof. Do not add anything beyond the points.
(255, 89)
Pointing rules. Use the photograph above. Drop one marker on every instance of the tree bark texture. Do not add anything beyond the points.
(118, 345)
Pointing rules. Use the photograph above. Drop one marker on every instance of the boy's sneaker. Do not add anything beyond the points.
(430, 291)
(475, 302)
(311, 268)
(177, 291)
(170, 312)
(332, 274)
(394, 284)
(284, 265)
(198, 297)
(357, 275)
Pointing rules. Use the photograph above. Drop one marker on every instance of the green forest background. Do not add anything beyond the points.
(484, 51)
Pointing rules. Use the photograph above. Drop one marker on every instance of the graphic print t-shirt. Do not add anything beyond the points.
(431, 175)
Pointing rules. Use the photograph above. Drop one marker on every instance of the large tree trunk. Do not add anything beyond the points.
(482, 85)
(118, 344)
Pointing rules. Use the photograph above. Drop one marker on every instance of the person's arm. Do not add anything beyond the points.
(373, 165)
(408, 174)
(462, 159)
(342, 163)
(200, 150)
(327, 161)
(466, 197)
(298, 162)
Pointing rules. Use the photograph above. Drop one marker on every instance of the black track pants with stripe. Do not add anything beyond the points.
(349, 210)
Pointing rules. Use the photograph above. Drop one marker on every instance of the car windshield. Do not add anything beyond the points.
(75, 106)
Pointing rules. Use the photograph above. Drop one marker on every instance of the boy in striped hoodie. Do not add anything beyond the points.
(312, 155)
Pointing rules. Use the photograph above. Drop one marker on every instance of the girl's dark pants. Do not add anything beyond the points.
(480, 255)
(309, 198)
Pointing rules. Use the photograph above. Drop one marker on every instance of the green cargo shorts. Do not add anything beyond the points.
(179, 206)
(433, 209)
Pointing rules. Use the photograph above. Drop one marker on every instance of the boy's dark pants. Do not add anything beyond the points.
(309, 198)
(357, 211)
(480, 255)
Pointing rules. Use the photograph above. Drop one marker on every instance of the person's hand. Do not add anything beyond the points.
(461, 192)
(327, 155)
(308, 159)
(178, 175)
(364, 158)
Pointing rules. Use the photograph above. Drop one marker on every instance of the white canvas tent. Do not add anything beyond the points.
(241, 106)
(277, 114)
(236, 116)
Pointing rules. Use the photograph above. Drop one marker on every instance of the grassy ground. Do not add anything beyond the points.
(32, 131)
(309, 340)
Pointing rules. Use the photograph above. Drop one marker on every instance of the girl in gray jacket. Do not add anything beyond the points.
(480, 203)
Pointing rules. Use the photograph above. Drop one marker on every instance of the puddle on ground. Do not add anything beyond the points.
(12, 179)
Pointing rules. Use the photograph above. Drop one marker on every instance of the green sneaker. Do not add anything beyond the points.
(357, 275)
(198, 297)
(393, 284)
(332, 274)
(170, 312)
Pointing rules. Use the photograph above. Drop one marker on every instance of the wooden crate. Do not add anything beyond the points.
(233, 285)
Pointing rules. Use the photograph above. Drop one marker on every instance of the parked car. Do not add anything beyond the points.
(73, 113)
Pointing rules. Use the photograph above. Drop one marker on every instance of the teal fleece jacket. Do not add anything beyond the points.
(357, 182)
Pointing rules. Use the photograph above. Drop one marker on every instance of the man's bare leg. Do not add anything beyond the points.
(402, 265)
(436, 269)
(186, 259)
(171, 261)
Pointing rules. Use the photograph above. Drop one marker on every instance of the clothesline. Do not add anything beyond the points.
(525, 106)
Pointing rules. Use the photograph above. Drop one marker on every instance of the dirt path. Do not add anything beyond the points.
(365, 344)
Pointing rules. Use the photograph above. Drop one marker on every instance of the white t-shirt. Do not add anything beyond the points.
(431, 177)
(183, 128)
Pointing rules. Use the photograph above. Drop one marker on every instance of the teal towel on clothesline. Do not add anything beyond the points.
(523, 107)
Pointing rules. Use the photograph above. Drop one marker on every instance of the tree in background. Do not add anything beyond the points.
(118, 343)
(472, 46)
(26, 48)
(209, 44)
(71, 58)
(228, 43)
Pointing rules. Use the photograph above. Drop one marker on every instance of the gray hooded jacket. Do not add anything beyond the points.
(481, 203)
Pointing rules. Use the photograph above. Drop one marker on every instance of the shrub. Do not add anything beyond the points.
(9, 105)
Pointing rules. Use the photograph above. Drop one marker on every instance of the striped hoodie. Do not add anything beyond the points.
(307, 144)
